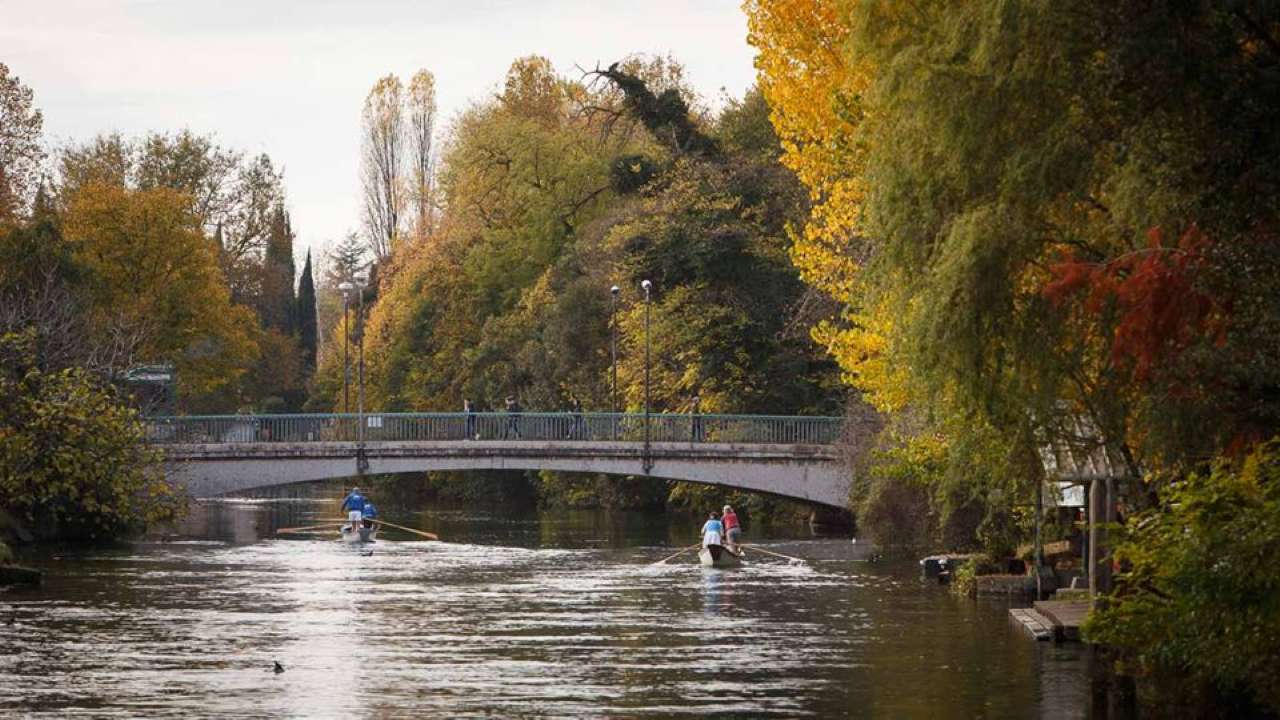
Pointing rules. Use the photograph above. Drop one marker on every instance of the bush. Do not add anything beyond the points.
(72, 458)
(1201, 593)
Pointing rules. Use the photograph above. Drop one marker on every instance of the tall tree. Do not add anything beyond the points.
(150, 260)
(306, 317)
(20, 151)
(233, 197)
(422, 125)
(347, 259)
(382, 163)
(276, 302)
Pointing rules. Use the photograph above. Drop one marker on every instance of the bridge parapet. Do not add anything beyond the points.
(583, 427)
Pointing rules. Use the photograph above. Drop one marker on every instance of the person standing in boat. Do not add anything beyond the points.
(353, 506)
(732, 530)
(712, 530)
(368, 514)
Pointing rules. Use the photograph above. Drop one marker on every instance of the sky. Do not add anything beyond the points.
(288, 77)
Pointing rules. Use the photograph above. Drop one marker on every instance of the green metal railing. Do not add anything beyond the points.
(384, 427)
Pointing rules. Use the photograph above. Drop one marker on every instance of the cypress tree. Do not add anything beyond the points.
(306, 317)
(276, 305)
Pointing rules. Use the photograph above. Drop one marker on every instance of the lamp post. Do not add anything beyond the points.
(648, 461)
(345, 287)
(360, 373)
(613, 342)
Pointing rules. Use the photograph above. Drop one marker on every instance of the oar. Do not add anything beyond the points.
(304, 529)
(770, 552)
(427, 535)
(681, 552)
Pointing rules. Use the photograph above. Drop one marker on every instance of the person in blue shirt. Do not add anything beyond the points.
(369, 513)
(712, 530)
(353, 505)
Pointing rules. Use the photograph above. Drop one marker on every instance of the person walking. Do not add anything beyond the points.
(513, 419)
(732, 530)
(470, 410)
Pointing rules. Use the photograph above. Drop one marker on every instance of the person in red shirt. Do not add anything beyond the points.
(732, 530)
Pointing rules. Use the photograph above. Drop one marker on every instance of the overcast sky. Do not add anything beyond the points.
(288, 77)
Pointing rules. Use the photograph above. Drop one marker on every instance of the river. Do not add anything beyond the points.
(513, 614)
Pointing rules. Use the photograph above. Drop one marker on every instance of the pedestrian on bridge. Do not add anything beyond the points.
(695, 415)
(577, 428)
(470, 410)
(513, 419)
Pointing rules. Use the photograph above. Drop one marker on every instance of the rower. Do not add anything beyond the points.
(353, 505)
(369, 512)
(732, 530)
(711, 530)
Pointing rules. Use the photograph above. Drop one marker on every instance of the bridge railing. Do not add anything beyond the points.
(383, 427)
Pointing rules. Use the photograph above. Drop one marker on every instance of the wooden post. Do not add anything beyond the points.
(1108, 517)
(1099, 566)
(1038, 556)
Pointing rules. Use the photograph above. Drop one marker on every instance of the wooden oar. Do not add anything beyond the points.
(770, 552)
(681, 552)
(304, 529)
(427, 535)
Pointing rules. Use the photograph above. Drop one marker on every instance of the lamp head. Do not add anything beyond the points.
(615, 290)
(646, 286)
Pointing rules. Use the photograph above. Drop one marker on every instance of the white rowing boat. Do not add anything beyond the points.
(359, 535)
(719, 556)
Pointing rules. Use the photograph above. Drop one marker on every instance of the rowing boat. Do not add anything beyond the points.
(719, 556)
(360, 535)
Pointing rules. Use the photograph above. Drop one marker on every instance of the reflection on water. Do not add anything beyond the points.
(557, 614)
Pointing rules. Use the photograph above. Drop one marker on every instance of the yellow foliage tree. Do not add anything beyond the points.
(816, 92)
(155, 272)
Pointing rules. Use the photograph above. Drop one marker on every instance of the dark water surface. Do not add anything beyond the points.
(516, 614)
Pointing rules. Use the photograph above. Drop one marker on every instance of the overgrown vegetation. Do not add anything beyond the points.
(1049, 224)
(1200, 595)
(72, 461)
(558, 189)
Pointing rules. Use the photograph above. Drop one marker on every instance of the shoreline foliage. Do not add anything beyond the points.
(72, 460)
(1045, 224)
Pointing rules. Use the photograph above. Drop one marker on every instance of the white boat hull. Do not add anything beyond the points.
(360, 535)
(718, 556)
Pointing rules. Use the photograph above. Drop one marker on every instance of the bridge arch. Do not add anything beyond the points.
(793, 457)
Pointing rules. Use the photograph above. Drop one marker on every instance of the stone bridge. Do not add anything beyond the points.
(793, 457)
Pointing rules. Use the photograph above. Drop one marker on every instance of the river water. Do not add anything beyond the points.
(513, 614)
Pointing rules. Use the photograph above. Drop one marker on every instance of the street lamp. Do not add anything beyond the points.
(648, 461)
(613, 342)
(345, 287)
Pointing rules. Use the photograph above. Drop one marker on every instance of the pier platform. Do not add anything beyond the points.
(1057, 620)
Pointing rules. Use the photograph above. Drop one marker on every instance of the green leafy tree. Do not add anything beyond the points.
(72, 457)
(20, 151)
(149, 261)
(276, 302)
(306, 316)
(1197, 561)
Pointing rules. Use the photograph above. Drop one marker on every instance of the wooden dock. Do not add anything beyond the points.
(1058, 620)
